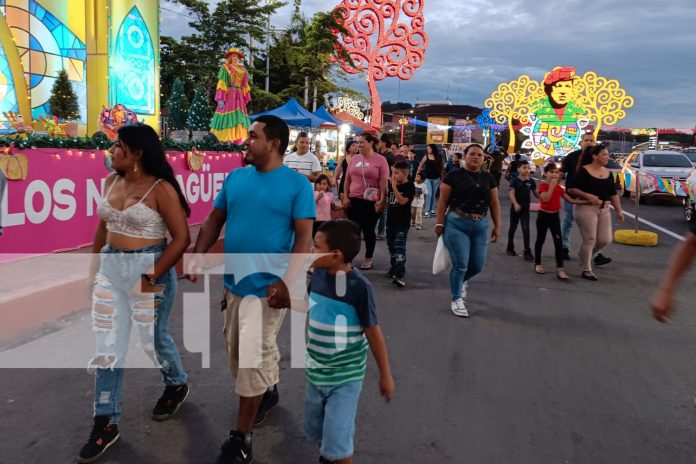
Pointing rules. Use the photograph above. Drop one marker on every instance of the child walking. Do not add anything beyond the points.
(324, 200)
(401, 193)
(419, 202)
(521, 189)
(337, 354)
(550, 194)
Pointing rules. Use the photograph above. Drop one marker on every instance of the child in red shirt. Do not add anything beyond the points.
(550, 194)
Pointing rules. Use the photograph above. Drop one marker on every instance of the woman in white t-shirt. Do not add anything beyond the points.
(422, 192)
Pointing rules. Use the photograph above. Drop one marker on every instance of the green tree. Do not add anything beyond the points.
(177, 107)
(63, 99)
(200, 112)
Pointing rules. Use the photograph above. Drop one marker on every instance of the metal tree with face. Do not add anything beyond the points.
(385, 39)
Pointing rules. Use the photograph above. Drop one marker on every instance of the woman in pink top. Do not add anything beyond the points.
(366, 185)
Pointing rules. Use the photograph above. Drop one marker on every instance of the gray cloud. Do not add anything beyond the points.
(477, 44)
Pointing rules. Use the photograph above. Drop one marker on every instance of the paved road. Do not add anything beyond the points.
(543, 372)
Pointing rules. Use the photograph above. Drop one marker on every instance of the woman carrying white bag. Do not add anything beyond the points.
(466, 196)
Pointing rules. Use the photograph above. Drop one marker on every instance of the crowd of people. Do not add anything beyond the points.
(284, 205)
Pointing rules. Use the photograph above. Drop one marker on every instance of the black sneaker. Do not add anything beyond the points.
(510, 252)
(399, 282)
(601, 260)
(170, 402)
(235, 450)
(389, 275)
(103, 435)
(528, 256)
(269, 400)
(566, 254)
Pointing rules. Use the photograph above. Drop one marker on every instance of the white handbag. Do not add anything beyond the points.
(441, 260)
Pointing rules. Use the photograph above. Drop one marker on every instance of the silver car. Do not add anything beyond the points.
(658, 163)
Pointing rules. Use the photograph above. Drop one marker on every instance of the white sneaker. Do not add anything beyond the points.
(459, 309)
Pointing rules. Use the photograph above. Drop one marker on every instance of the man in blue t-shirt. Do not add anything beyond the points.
(268, 211)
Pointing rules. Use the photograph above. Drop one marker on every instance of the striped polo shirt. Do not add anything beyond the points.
(338, 314)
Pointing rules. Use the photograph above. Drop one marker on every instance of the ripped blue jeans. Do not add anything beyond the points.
(117, 304)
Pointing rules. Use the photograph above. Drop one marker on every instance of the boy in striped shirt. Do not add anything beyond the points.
(342, 324)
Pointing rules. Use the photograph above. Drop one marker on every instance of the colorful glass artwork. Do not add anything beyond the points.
(46, 46)
(132, 66)
(8, 96)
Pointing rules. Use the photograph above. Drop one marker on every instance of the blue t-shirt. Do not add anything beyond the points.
(261, 208)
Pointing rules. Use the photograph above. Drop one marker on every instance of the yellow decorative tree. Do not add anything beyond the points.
(511, 101)
(604, 99)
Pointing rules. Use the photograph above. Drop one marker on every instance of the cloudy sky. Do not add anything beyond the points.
(649, 46)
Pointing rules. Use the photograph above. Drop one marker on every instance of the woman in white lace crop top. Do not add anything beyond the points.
(142, 204)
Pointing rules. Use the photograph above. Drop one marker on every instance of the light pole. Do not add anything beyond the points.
(403, 121)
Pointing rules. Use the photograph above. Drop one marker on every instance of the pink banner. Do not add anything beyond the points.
(55, 207)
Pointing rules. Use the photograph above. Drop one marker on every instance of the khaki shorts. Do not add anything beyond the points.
(251, 329)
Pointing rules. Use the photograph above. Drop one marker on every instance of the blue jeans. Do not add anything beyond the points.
(116, 307)
(330, 418)
(467, 243)
(3, 182)
(382, 224)
(396, 242)
(431, 202)
(568, 219)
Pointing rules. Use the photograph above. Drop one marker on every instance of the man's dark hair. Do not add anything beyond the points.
(458, 155)
(275, 128)
(523, 163)
(402, 166)
(342, 235)
(386, 139)
(302, 135)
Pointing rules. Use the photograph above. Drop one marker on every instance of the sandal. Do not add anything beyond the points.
(539, 269)
(589, 276)
(366, 265)
(562, 276)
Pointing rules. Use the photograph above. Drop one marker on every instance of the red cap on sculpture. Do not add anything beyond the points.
(559, 74)
(234, 51)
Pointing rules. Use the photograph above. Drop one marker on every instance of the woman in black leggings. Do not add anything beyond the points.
(366, 192)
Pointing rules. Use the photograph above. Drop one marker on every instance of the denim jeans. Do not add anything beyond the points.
(430, 201)
(116, 307)
(3, 183)
(568, 219)
(467, 243)
(396, 241)
(382, 224)
(330, 418)
(549, 222)
(521, 218)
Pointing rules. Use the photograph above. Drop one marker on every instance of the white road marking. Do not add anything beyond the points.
(655, 226)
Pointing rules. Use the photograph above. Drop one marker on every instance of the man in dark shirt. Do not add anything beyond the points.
(401, 193)
(497, 156)
(570, 166)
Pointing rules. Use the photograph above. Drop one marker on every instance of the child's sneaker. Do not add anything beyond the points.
(426, 214)
(170, 402)
(399, 282)
(389, 274)
(459, 309)
(419, 228)
(528, 256)
(103, 435)
(235, 450)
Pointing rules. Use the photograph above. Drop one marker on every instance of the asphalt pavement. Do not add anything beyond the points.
(543, 372)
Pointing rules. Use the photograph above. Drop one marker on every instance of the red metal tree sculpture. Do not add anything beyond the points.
(380, 44)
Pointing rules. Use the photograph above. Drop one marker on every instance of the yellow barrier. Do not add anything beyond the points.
(639, 238)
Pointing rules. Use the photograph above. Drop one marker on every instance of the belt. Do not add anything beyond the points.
(471, 216)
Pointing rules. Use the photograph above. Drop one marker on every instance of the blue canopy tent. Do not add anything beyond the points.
(294, 115)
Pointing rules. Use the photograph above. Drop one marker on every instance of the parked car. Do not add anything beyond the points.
(657, 163)
(691, 154)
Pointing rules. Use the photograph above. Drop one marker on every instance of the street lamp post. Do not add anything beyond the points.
(403, 121)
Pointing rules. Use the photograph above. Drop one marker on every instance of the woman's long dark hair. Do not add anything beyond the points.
(590, 153)
(154, 161)
(438, 158)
